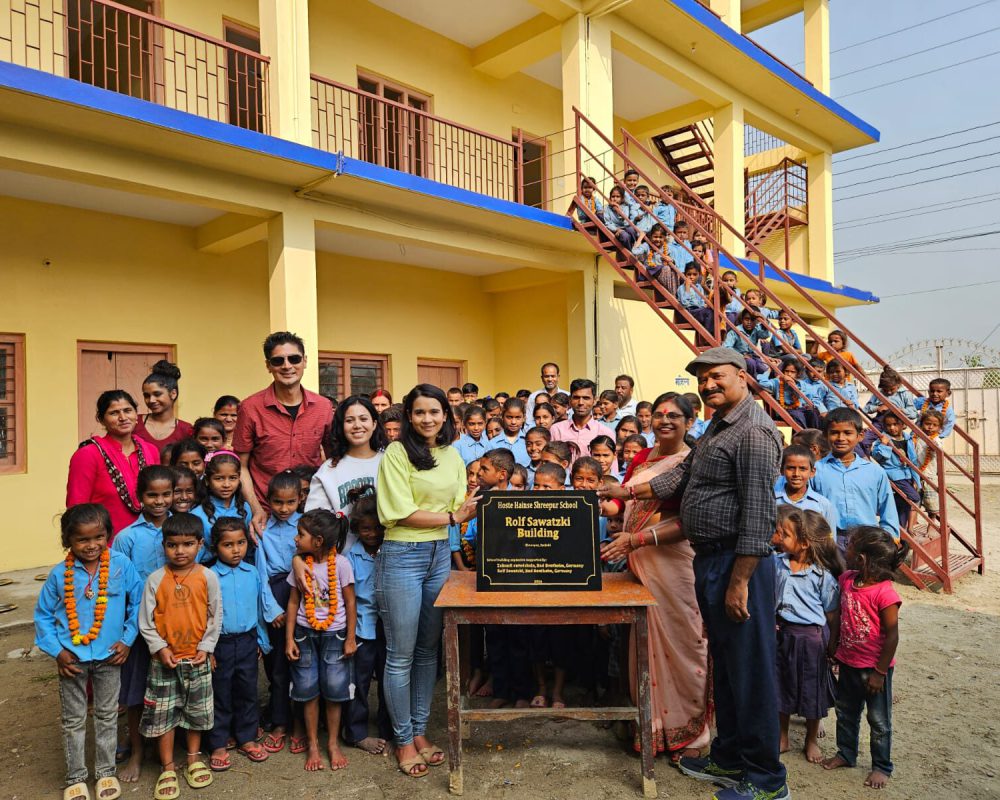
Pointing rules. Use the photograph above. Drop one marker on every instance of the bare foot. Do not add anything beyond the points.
(835, 762)
(314, 761)
(486, 690)
(372, 746)
(129, 773)
(522, 703)
(337, 759)
(497, 702)
(476, 682)
(812, 753)
(821, 731)
(876, 780)
(783, 745)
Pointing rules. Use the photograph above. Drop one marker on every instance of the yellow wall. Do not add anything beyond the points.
(530, 329)
(118, 280)
(376, 41)
(207, 17)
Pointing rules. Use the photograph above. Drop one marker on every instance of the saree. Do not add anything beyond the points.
(678, 650)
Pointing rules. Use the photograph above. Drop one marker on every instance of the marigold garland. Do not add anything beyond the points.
(101, 604)
(310, 598)
(781, 395)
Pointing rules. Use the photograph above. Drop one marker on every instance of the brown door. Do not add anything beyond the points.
(112, 366)
(443, 374)
(244, 79)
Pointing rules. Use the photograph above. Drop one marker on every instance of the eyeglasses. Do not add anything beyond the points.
(673, 416)
(279, 361)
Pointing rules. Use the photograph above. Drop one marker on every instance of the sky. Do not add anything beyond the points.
(925, 289)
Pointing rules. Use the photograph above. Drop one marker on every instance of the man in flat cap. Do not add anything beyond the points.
(726, 486)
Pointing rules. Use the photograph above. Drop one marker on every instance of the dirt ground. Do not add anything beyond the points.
(946, 728)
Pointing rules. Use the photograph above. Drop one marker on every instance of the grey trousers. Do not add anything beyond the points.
(106, 681)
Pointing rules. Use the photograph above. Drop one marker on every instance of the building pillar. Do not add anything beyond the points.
(291, 260)
(586, 85)
(816, 27)
(730, 12)
(820, 229)
(284, 39)
(730, 197)
(581, 316)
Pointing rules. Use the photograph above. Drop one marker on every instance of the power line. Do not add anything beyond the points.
(988, 335)
(957, 200)
(920, 74)
(946, 252)
(919, 183)
(949, 15)
(942, 289)
(920, 169)
(865, 223)
(909, 239)
(862, 252)
(947, 135)
(916, 53)
(919, 155)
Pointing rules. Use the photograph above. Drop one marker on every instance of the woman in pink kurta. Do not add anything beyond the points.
(678, 650)
(104, 469)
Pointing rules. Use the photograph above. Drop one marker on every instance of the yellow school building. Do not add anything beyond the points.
(389, 179)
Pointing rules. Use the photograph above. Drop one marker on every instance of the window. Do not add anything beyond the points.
(391, 136)
(344, 374)
(12, 441)
(244, 78)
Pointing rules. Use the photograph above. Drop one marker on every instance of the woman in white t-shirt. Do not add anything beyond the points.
(357, 440)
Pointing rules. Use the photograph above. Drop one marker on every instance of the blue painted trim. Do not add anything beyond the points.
(807, 282)
(66, 90)
(696, 10)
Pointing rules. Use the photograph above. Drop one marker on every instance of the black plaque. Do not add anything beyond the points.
(538, 541)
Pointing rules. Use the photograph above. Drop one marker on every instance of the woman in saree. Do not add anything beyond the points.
(662, 561)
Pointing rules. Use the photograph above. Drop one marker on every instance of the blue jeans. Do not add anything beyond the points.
(408, 579)
(743, 660)
(852, 697)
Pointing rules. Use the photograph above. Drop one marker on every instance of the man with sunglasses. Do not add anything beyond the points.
(281, 426)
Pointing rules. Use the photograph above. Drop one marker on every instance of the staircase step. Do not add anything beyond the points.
(697, 169)
(692, 157)
(958, 565)
(702, 182)
(681, 145)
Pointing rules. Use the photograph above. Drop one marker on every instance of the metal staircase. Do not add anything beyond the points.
(687, 152)
(958, 525)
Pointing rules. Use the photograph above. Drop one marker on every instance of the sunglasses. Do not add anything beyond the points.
(279, 361)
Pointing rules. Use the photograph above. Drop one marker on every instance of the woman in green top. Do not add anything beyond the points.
(421, 491)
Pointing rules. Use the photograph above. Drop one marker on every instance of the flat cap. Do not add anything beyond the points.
(717, 357)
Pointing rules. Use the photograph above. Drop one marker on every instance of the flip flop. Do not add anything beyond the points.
(5, 607)
(104, 784)
(167, 780)
(275, 743)
(409, 764)
(429, 753)
(6, 581)
(78, 791)
(197, 775)
(539, 701)
(42, 576)
(217, 764)
(123, 752)
(296, 746)
(253, 751)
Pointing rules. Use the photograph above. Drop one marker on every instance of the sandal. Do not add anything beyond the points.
(218, 764)
(429, 753)
(539, 701)
(5, 607)
(275, 743)
(7, 581)
(123, 753)
(297, 745)
(253, 751)
(410, 764)
(166, 781)
(105, 784)
(197, 775)
(78, 791)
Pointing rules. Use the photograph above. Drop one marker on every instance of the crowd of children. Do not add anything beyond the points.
(169, 619)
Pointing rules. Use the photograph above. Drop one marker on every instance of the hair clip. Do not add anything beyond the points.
(341, 515)
(214, 453)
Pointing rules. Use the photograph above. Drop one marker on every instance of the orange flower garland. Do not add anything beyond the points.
(781, 395)
(100, 606)
(310, 598)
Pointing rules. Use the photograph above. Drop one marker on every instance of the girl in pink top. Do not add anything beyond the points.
(863, 639)
(105, 469)
(159, 392)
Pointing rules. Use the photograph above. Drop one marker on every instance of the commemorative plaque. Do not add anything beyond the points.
(538, 541)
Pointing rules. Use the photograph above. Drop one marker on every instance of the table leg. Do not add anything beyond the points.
(454, 704)
(644, 702)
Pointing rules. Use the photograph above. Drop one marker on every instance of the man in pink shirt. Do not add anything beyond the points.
(581, 428)
(282, 426)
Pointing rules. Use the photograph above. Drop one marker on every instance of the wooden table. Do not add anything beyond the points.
(622, 600)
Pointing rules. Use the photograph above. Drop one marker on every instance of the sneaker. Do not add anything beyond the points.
(704, 769)
(747, 791)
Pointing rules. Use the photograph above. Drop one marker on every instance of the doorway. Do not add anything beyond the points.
(533, 168)
(103, 366)
(111, 48)
(443, 374)
(244, 78)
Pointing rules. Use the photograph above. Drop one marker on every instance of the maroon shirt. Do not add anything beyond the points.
(275, 441)
(182, 430)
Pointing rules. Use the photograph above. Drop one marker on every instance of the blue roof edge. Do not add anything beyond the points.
(699, 12)
(67, 90)
(808, 282)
